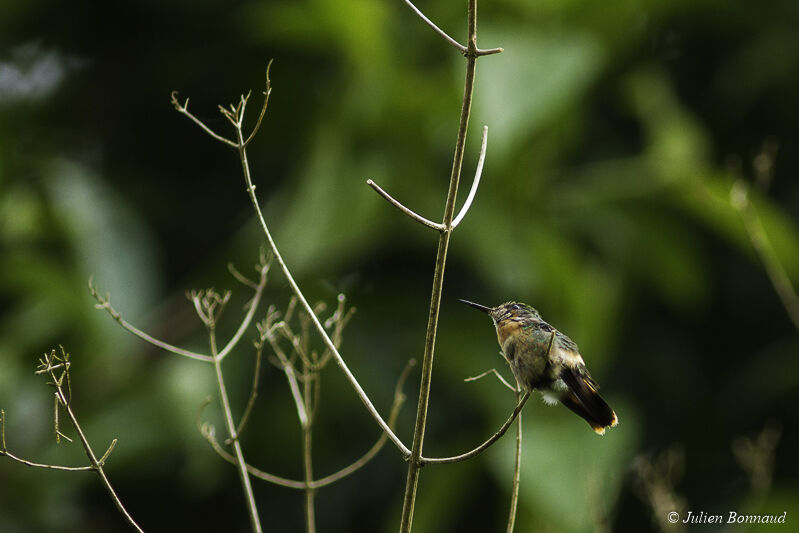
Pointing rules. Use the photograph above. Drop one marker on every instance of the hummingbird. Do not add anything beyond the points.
(545, 360)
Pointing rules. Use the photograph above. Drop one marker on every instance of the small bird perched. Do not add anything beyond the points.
(544, 359)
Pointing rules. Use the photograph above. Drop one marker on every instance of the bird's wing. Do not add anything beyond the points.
(585, 391)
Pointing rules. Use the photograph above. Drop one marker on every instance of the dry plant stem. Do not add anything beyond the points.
(98, 467)
(216, 359)
(476, 182)
(241, 146)
(291, 376)
(399, 399)
(253, 393)
(4, 451)
(517, 468)
(307, 467)
(105, 303)
(462, 49)
(63, 400)
(417, 217)
(235, 115)
(497, 375)
(466, 205)
(483, 447)
(415, 461)
(244, 476)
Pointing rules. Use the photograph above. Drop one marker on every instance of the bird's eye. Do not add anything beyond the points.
(515, 307)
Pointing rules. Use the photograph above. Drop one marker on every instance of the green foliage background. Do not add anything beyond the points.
(616, 131)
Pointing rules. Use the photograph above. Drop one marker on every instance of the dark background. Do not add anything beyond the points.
(617, 131)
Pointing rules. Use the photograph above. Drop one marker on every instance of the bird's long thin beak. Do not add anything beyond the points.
(482, 308)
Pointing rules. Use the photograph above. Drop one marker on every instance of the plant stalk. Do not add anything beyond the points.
(414, 462)
(241, 464)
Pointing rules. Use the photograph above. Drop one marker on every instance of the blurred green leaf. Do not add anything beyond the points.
(538, 77)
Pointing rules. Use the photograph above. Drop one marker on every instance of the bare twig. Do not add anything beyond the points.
(483, 447)
(307, 458)
(241, 278)
(184, 109)
(105, 303)
(256, 375)
(56, 367)
(250, 313)
(462, 49)
(478, 173)
(416, 460)
(417, 217)
(498, 376)
(291, 377)
(399, 398)
(266, 94)
(4, 451)
(244, 477)
(241, 146)
(517, 470)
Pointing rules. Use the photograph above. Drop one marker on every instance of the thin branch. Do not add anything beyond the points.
(306, 306)
(399, 398)
(417, 217)
(105, 303)
(462, 49)
(253, 391)
(107, 453)
(266, 94)
(241, 278)
(97, 466)
(25, 462)
(478, 173)
(252, 509)
(483, 447)
(415, 461)
(250, 313)
(241, 147)
(488, 51)
(4, 451)
(291, 376)
(210, 435)
(307, 458)
(517, 468)
(184, 109)
(498, 376)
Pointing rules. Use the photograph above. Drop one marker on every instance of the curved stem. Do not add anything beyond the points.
(483, 447)
(477, 175)
(415, 461)
(442, 33)
(245, 323)
(399, 399)
(517, 469)
(244, 476)
(307, 463)
(105, 303)
(417, 217)
(306, 306)
(97, 465)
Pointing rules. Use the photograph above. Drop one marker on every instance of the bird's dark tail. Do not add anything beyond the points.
(584, 400)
